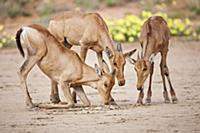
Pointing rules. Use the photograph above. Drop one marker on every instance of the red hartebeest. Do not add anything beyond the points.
(154, 38)
(89, 31)
(63, 66)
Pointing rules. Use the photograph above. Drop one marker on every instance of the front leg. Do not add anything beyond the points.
(112, 101)
(149, 92)
(54, 97)
(81, 94)
(140, 98)
(66, 90)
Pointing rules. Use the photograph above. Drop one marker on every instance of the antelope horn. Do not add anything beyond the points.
(142, 55)
(119, 47)
(138, 56)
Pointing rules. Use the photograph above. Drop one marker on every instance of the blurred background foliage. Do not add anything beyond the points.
(183, 16)
(127, 29)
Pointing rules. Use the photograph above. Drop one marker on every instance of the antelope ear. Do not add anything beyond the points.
(119, 47)
(105, 67)
(131, 60)
(98, 70)
(109, 52)
(151, 58)
(128, 54)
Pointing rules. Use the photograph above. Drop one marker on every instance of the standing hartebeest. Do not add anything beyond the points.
(63, 66)
(154, 38)
(90, 32)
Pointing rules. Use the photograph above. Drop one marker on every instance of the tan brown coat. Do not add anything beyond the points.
(154, 38)
(63, 66)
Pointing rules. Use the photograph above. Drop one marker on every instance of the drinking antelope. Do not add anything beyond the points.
(89, 31)
(63, 66)
(154, 38)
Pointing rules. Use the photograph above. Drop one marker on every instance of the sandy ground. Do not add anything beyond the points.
(184, 117)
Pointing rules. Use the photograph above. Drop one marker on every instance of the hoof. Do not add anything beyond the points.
(166, 97)
(70, 105)
(113, 103)
(54, 99)
(148, 101)
(139, 103)
(31, 106)
(174, 100)
(167, 100)
(86, 105)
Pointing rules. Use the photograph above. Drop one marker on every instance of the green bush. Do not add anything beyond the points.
(14, 11)
(127, 29)
(13, 8)
(110, 3)
(88, 4)
(7, 41)
(45, 8)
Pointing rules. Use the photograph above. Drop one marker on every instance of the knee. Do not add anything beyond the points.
(166, 71)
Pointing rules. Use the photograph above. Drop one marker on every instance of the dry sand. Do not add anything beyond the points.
(184, 117)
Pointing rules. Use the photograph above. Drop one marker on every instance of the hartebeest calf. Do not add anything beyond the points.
(63, 66)
(154, 38)
(89, 31)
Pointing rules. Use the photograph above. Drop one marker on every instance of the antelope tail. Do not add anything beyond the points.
(19, 46)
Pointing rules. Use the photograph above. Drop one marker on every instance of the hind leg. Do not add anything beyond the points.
(165, 92)
(22, 73)
(83, 53)
(165, 72)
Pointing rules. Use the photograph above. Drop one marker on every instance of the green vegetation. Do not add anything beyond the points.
(45, 8)
(193, 5)
(110, 3)
(6, 41)
(95, 4)
(13, 8)
(88, 4)
(128, 28)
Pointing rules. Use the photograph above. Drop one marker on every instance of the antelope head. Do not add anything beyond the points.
(142, 68)
(106, 82)
(118, 61)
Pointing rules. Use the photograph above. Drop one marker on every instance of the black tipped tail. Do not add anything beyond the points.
(19, 46)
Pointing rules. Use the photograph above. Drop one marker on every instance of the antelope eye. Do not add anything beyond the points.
(105, 85)
(115, 64)
(144, 69)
